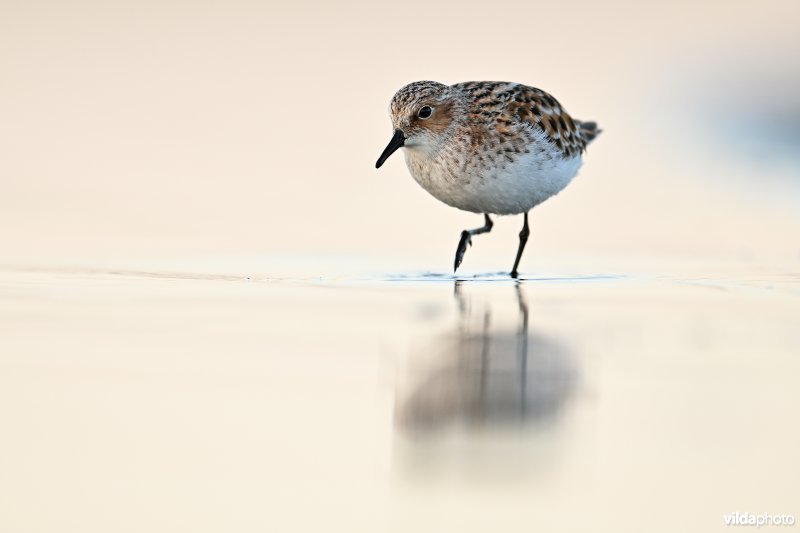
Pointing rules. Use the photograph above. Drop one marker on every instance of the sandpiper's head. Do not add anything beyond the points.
(422, 114)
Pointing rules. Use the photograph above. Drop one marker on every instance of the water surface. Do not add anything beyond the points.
(140, 399)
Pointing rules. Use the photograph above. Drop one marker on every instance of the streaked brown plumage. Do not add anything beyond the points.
(487, 147)
(493, 105)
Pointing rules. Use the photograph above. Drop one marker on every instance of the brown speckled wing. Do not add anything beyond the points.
(506, 106)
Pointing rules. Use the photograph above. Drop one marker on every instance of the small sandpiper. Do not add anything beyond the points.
(488, 147)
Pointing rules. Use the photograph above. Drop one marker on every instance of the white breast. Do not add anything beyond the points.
(495, 186)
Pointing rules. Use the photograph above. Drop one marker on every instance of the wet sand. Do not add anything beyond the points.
(216, 315)
(137, 400)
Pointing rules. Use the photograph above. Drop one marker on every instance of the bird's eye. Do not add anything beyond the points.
(425, 112)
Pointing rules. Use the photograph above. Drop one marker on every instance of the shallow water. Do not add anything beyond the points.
(144, 399)
(190, 340)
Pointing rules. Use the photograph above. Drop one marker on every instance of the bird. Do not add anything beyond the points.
(487, 147)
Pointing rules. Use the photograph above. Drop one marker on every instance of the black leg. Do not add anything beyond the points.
(466, 238)
(523, 238)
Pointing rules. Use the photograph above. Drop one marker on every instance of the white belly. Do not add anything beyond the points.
(505, 189)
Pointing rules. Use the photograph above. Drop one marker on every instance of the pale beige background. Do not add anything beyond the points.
(211, 312)
(134, 129)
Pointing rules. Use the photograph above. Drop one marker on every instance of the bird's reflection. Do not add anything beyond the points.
(490, 371)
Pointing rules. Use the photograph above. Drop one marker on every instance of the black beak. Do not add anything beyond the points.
(398, 139)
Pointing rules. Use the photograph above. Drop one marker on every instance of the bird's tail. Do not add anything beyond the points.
(589, 130)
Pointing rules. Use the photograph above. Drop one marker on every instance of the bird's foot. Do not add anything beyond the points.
(514, 274)
(466, 239)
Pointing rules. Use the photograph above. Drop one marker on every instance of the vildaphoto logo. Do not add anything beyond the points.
(758, 520)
